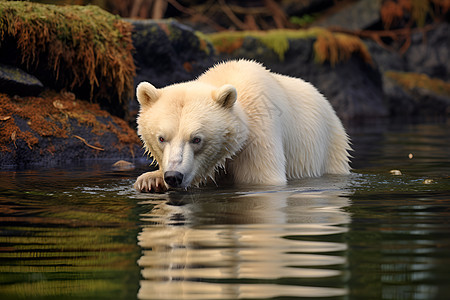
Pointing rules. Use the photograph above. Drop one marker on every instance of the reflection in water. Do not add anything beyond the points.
(74, 234)
(60, 239)
(399, 237)
(399, 247)
(245, 244)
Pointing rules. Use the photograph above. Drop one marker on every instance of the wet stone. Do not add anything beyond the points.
(14, 81)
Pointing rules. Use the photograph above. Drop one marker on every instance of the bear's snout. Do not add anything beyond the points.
(173, 178)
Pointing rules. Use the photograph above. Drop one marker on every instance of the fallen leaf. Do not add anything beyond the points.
(4, 118)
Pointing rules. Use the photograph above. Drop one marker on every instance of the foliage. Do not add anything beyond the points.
(328, 46)
(79, 44)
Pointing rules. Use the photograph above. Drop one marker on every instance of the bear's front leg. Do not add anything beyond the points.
(151, 182)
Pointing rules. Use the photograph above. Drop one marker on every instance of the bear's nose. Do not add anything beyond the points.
(173, 178)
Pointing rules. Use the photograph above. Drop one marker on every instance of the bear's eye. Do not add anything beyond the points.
(196, 140)
(161, 139)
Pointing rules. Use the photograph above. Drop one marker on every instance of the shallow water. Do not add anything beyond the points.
(86, 234)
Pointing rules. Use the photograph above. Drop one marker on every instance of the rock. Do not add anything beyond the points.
(414, 94)
(169, 52)
(385, 60)
(14, 81)
(82, 49)
(395, 172)
(427, 55)
(298, 8)
(123, 165)
(357, 15)
(429, 52)
(56, 129)
(400, 103)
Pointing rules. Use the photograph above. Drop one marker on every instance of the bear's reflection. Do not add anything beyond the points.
(217, 244)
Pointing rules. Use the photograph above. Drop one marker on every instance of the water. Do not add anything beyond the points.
(86, 234)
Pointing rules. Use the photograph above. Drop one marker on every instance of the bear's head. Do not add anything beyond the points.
(190, 129)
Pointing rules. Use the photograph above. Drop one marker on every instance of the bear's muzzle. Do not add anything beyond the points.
(173, 178)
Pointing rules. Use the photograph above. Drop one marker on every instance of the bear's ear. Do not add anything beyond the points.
(225, 96)
(147, 93)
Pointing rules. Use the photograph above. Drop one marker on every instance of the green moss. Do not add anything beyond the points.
(204, 42)
(327, 47)
(410, 81)
(81, 44)
(276, 40)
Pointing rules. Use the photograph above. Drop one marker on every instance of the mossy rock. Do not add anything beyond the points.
(328, 47)
(83, 49)
(168, 51)
(416, 94)
(411, 81)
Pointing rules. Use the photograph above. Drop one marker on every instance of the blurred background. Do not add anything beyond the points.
(269, 14)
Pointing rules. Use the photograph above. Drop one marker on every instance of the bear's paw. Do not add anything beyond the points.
(151, 182)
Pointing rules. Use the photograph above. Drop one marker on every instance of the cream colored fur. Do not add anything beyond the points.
(261, 127)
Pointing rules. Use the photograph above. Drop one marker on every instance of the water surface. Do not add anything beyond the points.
(85, 233)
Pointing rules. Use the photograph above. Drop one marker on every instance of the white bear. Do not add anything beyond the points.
(256, 126)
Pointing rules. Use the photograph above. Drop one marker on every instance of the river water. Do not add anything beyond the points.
(84, 233)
